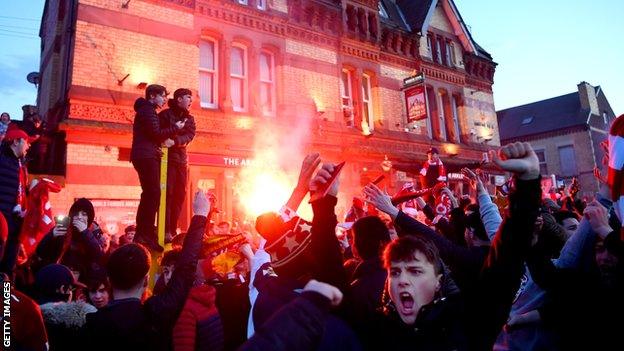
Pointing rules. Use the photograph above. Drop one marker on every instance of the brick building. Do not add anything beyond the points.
(565, 131)
(334, 69)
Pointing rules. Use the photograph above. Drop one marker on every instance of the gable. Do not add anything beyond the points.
(443, 15)
(440, 21)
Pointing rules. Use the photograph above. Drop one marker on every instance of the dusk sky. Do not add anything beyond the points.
(543, 48)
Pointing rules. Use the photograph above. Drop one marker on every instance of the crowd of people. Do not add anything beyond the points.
(440, 271)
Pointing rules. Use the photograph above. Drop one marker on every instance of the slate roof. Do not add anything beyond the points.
(547, 115)
(415, 12)
(395, 17)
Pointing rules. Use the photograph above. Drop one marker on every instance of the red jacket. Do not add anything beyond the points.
(199, 326)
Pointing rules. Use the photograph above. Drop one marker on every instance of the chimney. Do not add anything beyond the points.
(587, 95)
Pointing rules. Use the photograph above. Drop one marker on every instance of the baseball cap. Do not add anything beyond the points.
(50, 278)
(16, 133)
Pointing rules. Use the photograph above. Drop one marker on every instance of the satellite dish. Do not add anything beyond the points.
(33, 78)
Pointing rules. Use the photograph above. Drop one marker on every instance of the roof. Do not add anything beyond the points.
(395, 16)
(414, 11)
(548, 115)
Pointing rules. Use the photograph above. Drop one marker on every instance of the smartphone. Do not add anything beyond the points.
(324, 188)
(62, 221)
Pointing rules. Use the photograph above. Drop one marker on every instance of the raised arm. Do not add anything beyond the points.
(490, 214)
(168, 304)
(504, 266)
(308, 166)
(324, 243)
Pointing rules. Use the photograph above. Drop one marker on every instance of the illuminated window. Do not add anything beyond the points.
(367, 102)
(208, 81)
(238, 77)
(267, 83)
(345, 89)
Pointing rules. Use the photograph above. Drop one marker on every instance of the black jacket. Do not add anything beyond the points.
(128, 324)
(147, 135)
(367, 286)
(276, 292)
(168, 118)
(583, 311)
(296, 326)
(82, 251)
(9, 180)
(472, 319)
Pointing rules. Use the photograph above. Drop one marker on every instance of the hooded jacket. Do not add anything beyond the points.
(168, 118)
(65, 323)
(147, 135)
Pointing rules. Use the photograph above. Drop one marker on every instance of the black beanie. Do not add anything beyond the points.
(83, 204)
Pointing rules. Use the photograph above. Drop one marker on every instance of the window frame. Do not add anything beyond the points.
(438, 50)
(368, 102)
(575, 170)
(343, 96)
(244, 78)
(542, 163)
(243, 2)
(215, 74)
(261, 4)
(273, 90)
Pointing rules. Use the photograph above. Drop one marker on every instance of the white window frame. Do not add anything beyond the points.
(441, 117)
(455, 113)
(260, 4)
(242, 2)
(215, 76)
(448, 54)
(368, 104)
(451, 48)
(244, 77)
(429, 45)
(429, 117)
(270, 82)
(438, 50)
(343, 94)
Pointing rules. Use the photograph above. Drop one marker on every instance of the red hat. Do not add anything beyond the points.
(16, 133)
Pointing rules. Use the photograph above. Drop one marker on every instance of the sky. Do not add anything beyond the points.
(543, 48)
